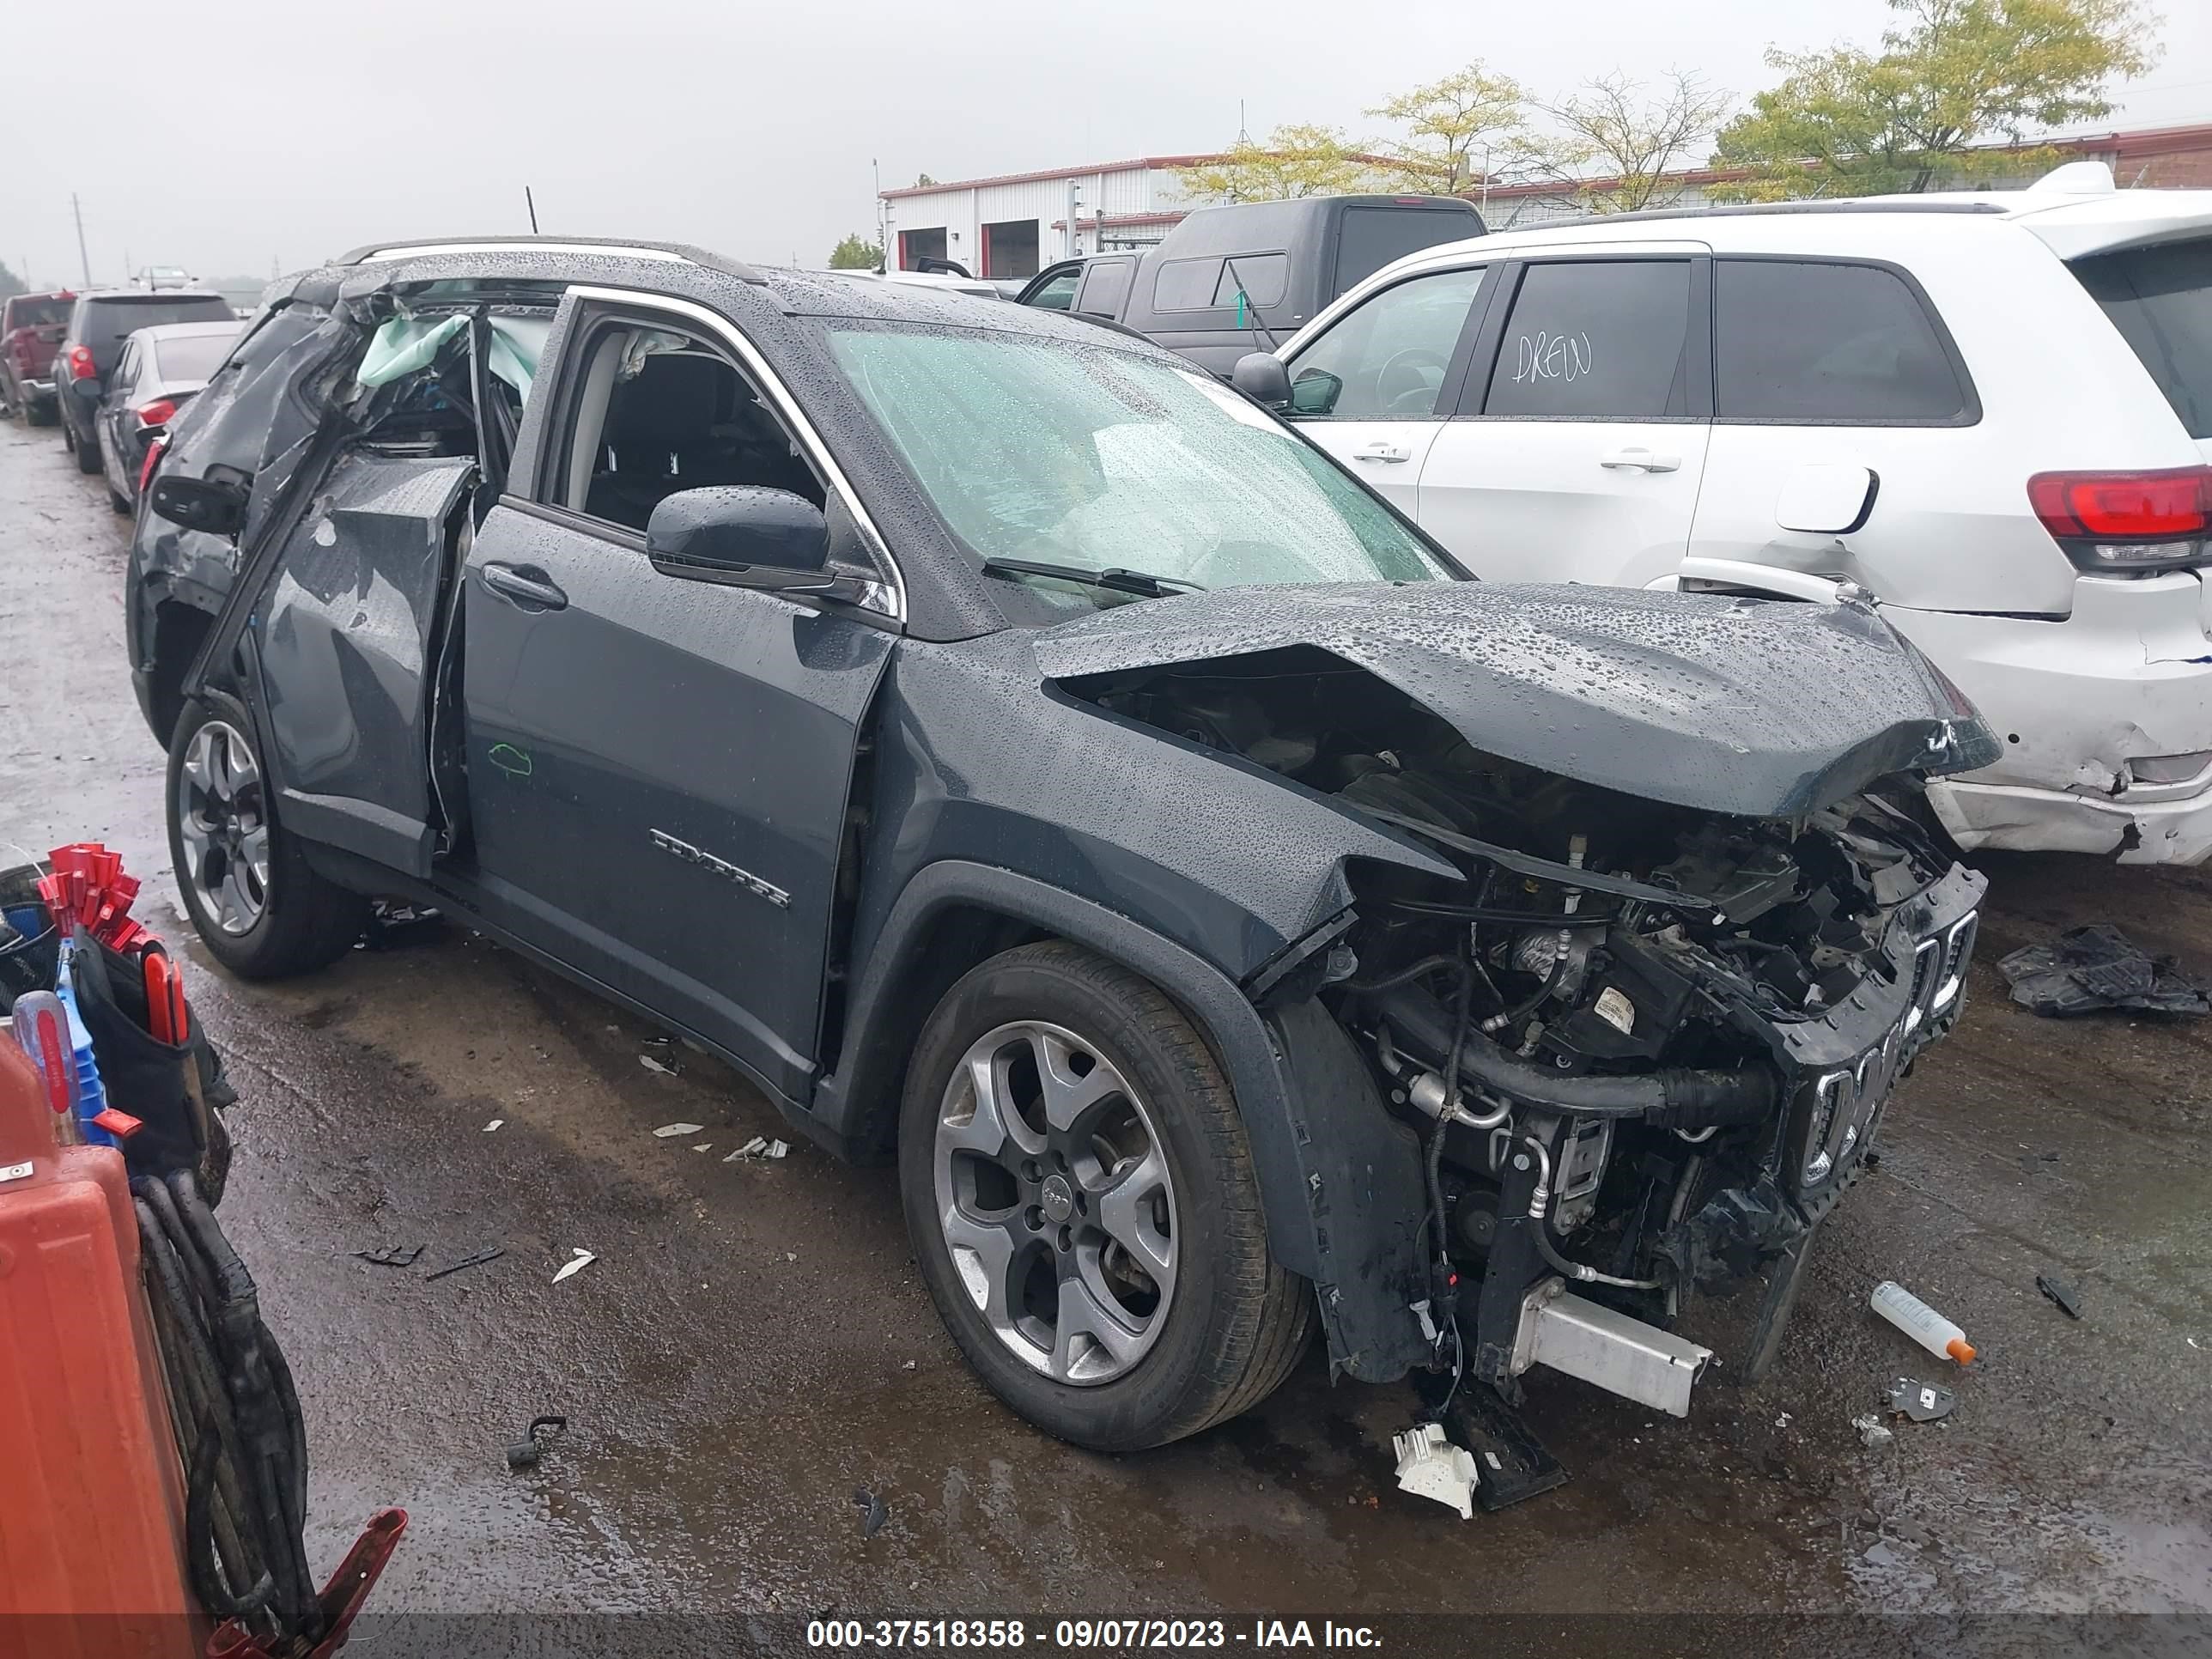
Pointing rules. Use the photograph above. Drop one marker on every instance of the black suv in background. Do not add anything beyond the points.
(99, 324)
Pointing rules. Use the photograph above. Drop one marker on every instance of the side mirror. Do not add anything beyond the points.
(1260, 376)
(90, 389)
(216, 505)
(743, 535)
(1823, 499)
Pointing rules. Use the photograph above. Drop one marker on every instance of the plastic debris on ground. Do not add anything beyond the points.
(873, 1511)
(392, 1255)
(2061, 1293)
(578, 1260)
(474, 1259)
(2086, 969)
(524, 1453)
(759, 1146)
(1930, 1329)
(1429, 1466)
(672, 1131)
(492, 1125)
(1873, 1432)
(1923, 1402)
(660, 1066)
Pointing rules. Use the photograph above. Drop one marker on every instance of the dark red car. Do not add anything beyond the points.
(31, 330)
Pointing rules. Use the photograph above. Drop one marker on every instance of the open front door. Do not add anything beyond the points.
(349, 633)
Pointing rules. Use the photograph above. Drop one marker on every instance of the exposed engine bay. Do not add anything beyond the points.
(1646, 1046)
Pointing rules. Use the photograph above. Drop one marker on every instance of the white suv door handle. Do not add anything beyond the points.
(1383, 450)
(1637, 459)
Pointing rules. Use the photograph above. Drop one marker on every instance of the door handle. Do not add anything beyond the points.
(1636, 458)
(1383, 450)
(525, 585)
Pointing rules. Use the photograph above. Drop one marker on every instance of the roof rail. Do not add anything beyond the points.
(423, 246)
(1748, 209)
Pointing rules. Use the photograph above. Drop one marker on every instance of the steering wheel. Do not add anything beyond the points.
(1417, 372)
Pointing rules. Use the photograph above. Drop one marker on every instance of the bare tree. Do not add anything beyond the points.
(1616, 143)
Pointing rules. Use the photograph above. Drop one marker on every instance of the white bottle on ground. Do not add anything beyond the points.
(1921, 1322)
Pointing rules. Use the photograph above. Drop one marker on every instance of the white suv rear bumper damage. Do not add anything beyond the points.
(2008, 817)
(2077, 703)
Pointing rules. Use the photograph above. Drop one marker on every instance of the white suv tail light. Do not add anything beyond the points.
(2124, 522)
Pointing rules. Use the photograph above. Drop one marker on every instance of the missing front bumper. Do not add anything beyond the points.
(1621, 1355)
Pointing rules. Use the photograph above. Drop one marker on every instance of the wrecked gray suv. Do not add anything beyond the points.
(1027, 759)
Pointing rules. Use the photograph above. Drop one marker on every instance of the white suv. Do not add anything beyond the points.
(1993, 413)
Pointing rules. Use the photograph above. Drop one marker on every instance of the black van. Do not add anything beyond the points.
(1227, 279)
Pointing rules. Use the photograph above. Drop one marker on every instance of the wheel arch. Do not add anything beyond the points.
(954, 915)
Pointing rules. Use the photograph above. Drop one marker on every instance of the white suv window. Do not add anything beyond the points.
(1597, 340)
(1819, 343)
(2160, 300)
(1387, 360)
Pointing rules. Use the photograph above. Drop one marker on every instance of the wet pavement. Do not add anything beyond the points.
(751, 1344)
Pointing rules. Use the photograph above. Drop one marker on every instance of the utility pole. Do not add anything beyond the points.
(83, 258)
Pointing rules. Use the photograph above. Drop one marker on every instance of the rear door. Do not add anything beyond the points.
(1580, 440)
(658, 763)
(1826, 363)
(1372, 388)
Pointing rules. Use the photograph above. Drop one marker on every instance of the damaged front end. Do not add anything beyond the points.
(1644, 1040)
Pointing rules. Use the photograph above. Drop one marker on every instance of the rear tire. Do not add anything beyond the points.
(37, 415)
(1152, 1135)
(252, 897)
(87, 450)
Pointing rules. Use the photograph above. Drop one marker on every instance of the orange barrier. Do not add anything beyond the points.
(91, 1496)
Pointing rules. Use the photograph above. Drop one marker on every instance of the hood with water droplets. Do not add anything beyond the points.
(1754, 707)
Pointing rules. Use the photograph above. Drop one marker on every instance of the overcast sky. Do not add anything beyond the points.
(225, 137)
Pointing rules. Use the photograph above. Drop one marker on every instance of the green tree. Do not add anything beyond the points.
(1298, 160)
(1619, 144)
(10, 284)
(856, 252)
(1954, 79)
(1458, 129)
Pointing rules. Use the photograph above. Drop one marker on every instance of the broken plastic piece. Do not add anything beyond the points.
(1873, 1432)
(660, 1066)
(576, 1263)
(671, 1131)
(2060, 1293)
(492, 1125)
(759, 1146)
(392, 1255)
(873, 1511)
(1923, 1402)
(1429, 1466)
(475, 1259)
(1921, 1322)
(524, 1452)
(2087, 968)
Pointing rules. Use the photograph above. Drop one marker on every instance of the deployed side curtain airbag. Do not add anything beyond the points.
(404, 344)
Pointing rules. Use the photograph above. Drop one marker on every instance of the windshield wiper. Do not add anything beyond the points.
(1114, 576)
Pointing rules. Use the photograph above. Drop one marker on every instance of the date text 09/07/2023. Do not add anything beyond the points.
(1081, 1634)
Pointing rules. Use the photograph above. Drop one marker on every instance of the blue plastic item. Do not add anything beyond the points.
(91, 1099)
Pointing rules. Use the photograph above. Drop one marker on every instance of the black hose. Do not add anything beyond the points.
(239, 1425)
(1434, 1164)
(1403, 976)
(1675, 1099)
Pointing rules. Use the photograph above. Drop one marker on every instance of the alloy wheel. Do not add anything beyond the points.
(1056, 1202)
(222, 818)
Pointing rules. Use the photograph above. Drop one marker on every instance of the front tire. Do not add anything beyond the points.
(252, 897)
(1082, 1200)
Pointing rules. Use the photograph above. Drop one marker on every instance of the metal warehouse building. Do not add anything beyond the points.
(1015, 224)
